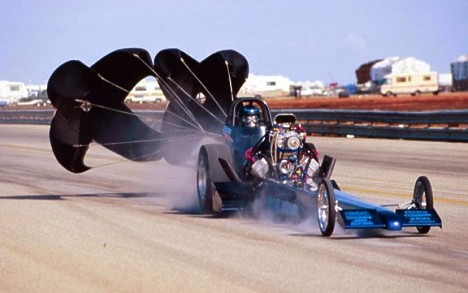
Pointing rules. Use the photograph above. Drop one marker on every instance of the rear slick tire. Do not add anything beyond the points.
(205, 186)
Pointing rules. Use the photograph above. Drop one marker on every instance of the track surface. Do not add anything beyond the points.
(133, 227)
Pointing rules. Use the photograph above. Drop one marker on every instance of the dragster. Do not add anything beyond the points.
(272, 161)
(250, 156)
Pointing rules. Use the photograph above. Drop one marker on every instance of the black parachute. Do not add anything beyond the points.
(90, 106)
(199, 95)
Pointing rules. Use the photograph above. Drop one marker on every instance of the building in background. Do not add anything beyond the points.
(396, 75)
(396, 65)
(268, 85)
(459, 70)
(312, 88)
(363, 73)
(280, 86)
(12, 91)
(445, 82)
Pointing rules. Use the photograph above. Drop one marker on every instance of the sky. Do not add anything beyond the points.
(303, 40)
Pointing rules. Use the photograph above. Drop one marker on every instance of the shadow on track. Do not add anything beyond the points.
(363, 234)
(97, 195)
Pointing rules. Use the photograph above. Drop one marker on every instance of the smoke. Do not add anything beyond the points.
(182, 196)
(282, 215)
(177, 180)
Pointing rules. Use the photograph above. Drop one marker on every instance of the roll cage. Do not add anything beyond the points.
(233, 118)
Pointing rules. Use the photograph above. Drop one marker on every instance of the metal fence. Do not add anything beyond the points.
(448, 125)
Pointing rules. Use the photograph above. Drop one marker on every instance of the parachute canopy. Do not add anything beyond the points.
(90, 106)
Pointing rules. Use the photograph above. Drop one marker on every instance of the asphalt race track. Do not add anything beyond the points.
(134, 227)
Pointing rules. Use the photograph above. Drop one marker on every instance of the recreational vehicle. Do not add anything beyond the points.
(12, 91)
(146, 91)
(410, 83)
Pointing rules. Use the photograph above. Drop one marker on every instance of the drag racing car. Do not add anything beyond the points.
(250, 156)
(260, 158)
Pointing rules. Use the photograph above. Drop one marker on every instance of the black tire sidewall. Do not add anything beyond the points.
(331, 210)
(205, 202)
(427, 188)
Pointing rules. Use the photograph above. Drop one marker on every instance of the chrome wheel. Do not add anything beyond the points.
(201, 180)
(326, 213)
(205, 187)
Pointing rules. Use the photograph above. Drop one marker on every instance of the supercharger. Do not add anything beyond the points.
(288, 158)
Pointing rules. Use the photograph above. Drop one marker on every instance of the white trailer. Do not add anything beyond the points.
(12, 91)
(268, 85)
(146, 91)
(410, 83)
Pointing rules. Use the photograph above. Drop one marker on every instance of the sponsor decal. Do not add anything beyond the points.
(361, 219)
(427, 217)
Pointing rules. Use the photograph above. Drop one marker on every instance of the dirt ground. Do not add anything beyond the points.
(443, 101)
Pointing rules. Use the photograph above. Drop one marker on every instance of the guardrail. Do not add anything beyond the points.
(448, 125)
(42, 117)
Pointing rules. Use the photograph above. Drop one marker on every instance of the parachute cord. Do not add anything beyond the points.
(150, 154)
(195, 123)
(113, 84)
(230, 81)
(144, 63)
(104, 107)
(182, 105)
(183, 132)
(86, 106)
(175, 95)
(136, 115)
(182, 119)
(179, 101)
(201, 83)
(186, 110)
(142, 140)
(193, 99)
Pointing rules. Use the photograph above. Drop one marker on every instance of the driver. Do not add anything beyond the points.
(250, 116)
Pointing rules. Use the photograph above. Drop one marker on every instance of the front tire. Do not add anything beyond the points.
(423, 198)
(326, 212)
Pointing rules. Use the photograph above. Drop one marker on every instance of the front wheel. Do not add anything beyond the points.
(326, 212)
(423, 199)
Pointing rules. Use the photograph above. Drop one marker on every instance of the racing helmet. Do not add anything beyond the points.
(249, 116)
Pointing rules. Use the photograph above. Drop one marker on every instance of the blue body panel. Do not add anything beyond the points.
(354, 212)
(365, 214)
(240, 139)
(359, 214)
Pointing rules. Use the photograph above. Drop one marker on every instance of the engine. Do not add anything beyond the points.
(292, 161)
